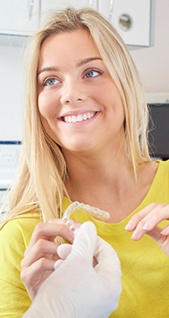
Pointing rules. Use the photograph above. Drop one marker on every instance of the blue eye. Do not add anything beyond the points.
(91, 73)
(50, 81)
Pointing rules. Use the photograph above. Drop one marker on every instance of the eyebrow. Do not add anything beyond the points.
(82, 62)
(87, 60)
(48, 69)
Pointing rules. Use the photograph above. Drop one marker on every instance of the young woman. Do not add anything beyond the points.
(85, 140)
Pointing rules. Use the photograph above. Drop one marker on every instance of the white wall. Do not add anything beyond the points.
(10, 93)
(153, 65)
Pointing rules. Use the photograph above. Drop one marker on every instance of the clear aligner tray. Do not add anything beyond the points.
(93, 211)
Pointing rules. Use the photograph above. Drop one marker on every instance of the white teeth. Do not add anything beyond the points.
(79, 118)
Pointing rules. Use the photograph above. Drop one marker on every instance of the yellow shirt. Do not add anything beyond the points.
(145, 267)
(14, 239)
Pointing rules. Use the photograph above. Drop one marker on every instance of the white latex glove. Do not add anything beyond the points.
(77, 288)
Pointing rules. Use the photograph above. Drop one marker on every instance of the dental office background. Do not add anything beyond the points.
(143, 24)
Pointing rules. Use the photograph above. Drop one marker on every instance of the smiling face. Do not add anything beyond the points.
(78, 101)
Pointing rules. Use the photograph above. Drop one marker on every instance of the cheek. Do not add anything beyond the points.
(43, 105)
(47, 110)
(50, 127)
(47, 105)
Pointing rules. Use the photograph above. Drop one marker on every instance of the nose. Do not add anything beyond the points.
(72, 92)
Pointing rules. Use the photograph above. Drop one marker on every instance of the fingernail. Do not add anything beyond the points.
(72, 235)
(147, 225)
(72, 227)
(75, 232)
(135, 235)
(165, 231)
(129, 226)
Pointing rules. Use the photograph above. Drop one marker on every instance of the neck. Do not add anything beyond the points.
(108, 183)
(92, 176)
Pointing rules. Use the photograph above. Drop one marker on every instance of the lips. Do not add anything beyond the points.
(78, 118)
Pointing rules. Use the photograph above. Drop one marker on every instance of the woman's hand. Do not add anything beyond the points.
(77, 288)
(147, 220)
(41, 254)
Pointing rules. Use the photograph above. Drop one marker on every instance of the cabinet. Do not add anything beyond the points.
(131, 18)
(18, 20)
(23, 17)
(103, 6)
(19, 17)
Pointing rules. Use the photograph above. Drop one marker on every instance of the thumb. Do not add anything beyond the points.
(85, 241)
(108, 267)
(106, 256)
(64, 250)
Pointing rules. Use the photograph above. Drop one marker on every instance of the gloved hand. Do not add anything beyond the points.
(77, 288)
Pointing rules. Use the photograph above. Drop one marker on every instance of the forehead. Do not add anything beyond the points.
(68, 45)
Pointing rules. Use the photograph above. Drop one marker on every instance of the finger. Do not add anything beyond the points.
(149, 217)
(64, 250)
(160, 236)
(150, 221)
(165, 231)
(73, 225)
(49, 231)
(58, 264)
(139, 232)
(157, 236)
(160, 213)
(165, 245)
(85, 242)
(161, 239)
(131, 225)
(108, 268)
(33, 273)
(107, 258)
(41, 249)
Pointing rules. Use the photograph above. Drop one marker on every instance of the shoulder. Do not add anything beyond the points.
(163, 165)
(19, 228)
(15, 235)
(156, 170)
(163, 171)
(159, 190)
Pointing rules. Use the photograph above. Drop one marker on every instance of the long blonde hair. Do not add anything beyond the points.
(39, 183)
